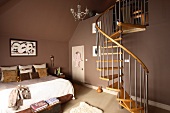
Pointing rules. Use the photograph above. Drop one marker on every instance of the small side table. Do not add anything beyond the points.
(61, 76)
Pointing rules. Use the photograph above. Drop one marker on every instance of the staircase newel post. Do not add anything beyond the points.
(144, 13)
(112, 65)
(103, 57)
(130, 80)
(141, 5)
(135, 83)
(146, 93)
(118, 70)
(140, 87)
(123, 74)
(97, 49)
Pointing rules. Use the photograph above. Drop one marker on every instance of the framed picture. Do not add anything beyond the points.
(19, 47)
(94, 26)
(94, 51)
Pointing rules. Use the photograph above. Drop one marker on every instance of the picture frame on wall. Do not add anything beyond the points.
(94, 26)
(94, 51)
(20, 47)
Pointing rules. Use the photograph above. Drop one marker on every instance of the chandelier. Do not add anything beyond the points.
(79, 15)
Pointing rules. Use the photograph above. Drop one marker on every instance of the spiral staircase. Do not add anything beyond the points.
(124, 72)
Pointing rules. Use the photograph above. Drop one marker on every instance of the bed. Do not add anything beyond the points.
(40, 88)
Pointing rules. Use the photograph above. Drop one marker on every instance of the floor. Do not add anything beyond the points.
(104, 101)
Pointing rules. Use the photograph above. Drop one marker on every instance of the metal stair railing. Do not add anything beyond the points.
(133, 12)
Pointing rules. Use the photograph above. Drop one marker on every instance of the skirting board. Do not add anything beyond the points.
(152, 103)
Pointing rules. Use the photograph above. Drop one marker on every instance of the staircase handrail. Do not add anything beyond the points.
(121, 46)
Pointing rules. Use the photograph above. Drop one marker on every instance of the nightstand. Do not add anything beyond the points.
(61, 76)
(53, 70)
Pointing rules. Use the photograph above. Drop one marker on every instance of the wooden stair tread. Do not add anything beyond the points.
(123, 105)
(136, 110)
(116, 34)
(109, 68)
(121, 96)
(114, 86)
(137, 16)
(109, 77)
(111, 53)
(133, 109)
(109, 61)
(110, 47)
(117, 39)
(131, 28)
(137, 12)
(130, 25)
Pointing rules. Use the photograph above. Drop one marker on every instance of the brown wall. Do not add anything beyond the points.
(151, 46)
(49, 22)
(27, 19)
(45, 48)
(44, 19)
(36, 20)
(83, 36)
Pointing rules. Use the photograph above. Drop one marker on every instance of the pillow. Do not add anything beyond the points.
(42, 72)
(34, 75)
(7, 68)
(24, 76)
(9, 75)
(25, 69)
(40, 66)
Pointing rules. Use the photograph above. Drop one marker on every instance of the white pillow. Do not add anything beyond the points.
(7, 68)
(40, 66)
(25, 69)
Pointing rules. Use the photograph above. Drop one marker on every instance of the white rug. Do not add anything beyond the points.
(85, 108)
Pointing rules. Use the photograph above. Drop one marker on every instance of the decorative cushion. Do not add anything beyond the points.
(24, 76)
(42, 72)
(40, 66)
(7, 68)
(34, 75)
(9, 75)
(25, 69)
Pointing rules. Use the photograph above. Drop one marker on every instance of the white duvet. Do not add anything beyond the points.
(39, 91)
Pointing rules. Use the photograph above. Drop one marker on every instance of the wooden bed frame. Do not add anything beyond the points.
(52, 109)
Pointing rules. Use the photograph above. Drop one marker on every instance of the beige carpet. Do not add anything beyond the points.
(106, 102)
(85, 108)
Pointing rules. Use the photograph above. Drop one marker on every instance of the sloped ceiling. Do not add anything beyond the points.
(44, 19)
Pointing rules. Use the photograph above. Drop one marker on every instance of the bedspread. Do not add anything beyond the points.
(39, 91)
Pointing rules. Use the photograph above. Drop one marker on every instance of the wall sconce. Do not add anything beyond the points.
(52, 60)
